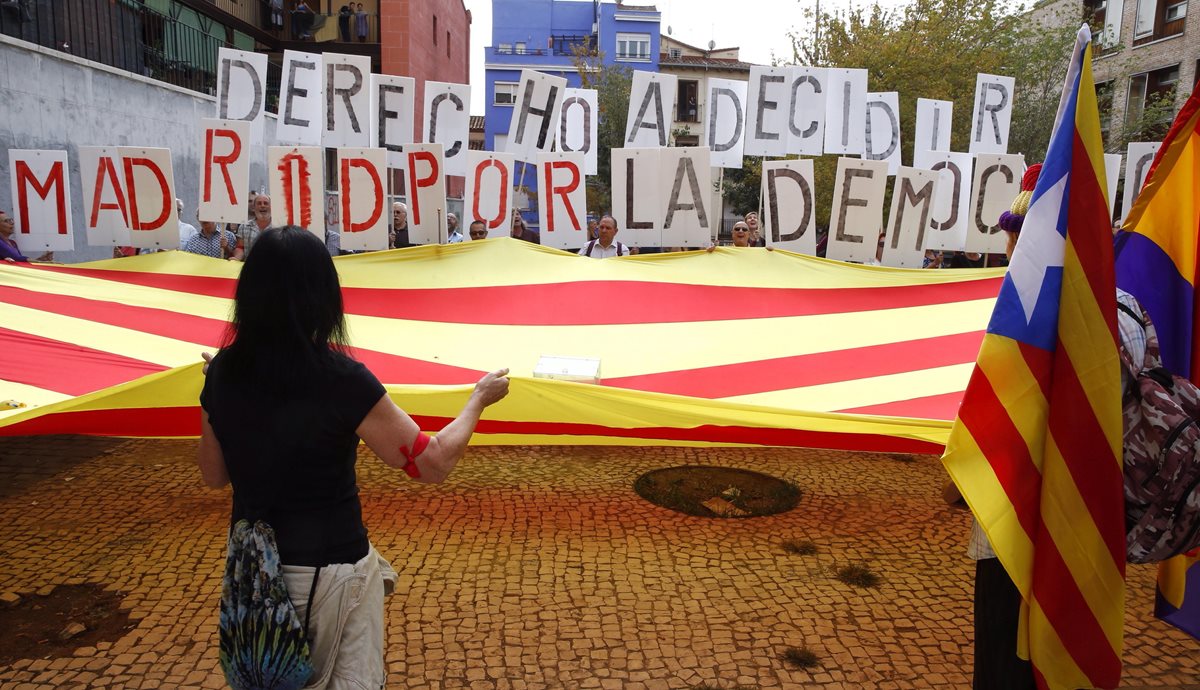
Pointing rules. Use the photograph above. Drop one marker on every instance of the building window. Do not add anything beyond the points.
(447, 44)
(633, 47)
(1104, 103)
(1150, 105)
(504, 48)
(687, 140)
(675, 53)
(521, 48)
(1157, 19)
(506, 93)
(435, 32)
(687, 109)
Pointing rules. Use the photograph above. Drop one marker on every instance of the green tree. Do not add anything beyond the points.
(934, 49)
(612, 84)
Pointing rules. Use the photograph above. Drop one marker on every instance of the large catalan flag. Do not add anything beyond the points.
(733, 347)
(1157, 263)
(1036, 449)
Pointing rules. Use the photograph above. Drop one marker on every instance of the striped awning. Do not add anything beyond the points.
(731, 347)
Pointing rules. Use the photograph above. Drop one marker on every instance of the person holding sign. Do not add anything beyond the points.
(285, 365)
(398, 233)
(8, 246)
(606, 245)
(453, 236)
(250, 231)
(211, 241)
(756, 238)
(741, 233)
(521, 231)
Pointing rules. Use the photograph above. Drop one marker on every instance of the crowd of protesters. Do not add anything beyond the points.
(235, 240)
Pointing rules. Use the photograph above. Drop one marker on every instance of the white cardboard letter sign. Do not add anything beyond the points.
(296, 175)
(362, 190)
(562, 199)
(105, 205)
(447, 122)
(856, 217)
(538, 106)
(578, 128)
(41, 198)
(301, 99)
(224, 170)
(347, 100)
(426, 193)
(242, 88)
(150, 184)
(997, 182)
(725, 125)
(789, 209)
(488, 195)
(912, 204)
(846, 112)
(651, 104)
(992, 113)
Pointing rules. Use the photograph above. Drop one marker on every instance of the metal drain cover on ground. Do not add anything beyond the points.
(706, 491)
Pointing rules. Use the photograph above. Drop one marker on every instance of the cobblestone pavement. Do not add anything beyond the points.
(541, 568)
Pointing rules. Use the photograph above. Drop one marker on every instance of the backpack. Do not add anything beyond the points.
(1162, 456)
(263, 645)
(592, 245)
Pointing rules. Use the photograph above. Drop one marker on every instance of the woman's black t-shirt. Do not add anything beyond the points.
(291, 458)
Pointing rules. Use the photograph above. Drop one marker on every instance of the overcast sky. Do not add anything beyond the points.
(758, 27)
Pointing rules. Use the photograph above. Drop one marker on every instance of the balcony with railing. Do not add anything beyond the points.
(119, 33)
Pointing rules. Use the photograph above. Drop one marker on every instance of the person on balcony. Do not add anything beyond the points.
(344, 15)
(360, 20)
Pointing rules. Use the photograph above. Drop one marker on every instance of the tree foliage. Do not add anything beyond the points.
(612, 84)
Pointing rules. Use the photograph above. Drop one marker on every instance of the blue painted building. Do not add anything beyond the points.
(543, 35)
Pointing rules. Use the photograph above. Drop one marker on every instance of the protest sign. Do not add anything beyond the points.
(768, 108)
(150, 186)
(789, 208)
(224, 170)
(535, 115)
(392, 106)
(362, 191)
(426, 193)
(912, 203)
(447, 122)
(934, 122)
(296, 178)
(562, 201)
(578, 128)
(856, 216)
(846, 112)
(242, 89)
(488, 195)
(1138, 158)
(997, 181)
(725, 129)
(41, 198)
(651, 105)
(807, 110)
(992, 114)
(105, 203)
(347, 100)
(637, 206)
(948, 224)
(301, 99)
(686, 212)
(882, 138)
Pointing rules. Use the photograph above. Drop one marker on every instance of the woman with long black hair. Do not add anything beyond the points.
(284, 408)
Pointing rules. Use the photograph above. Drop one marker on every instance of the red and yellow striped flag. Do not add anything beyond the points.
(1036, 449)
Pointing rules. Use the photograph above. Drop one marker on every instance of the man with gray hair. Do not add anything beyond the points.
(186, 230)
(398, 233)
(249, 232)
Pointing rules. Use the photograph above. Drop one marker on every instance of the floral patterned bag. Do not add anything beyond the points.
(263, 645)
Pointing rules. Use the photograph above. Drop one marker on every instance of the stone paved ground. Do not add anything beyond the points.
(541, 568)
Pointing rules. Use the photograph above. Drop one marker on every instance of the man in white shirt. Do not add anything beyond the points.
(453, 236)
(186, 230)
(606, 244)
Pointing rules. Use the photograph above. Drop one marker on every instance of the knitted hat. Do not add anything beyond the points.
(1012, 219)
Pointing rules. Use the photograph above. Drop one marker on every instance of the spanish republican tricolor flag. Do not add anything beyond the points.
(1036, 449)
(1157, 263)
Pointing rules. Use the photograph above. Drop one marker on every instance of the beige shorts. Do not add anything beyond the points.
(345, 631)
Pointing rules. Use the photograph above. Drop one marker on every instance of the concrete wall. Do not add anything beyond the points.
(51, 100)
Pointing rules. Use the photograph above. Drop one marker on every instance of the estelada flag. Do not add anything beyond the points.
(1036, 450)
